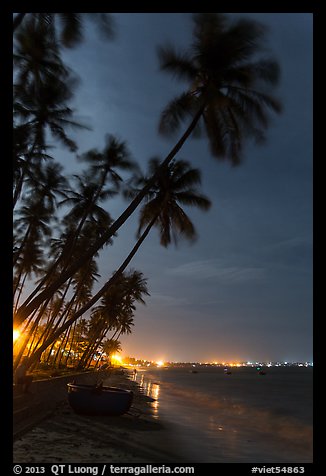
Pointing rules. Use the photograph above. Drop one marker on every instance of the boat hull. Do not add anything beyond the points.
(99, 400)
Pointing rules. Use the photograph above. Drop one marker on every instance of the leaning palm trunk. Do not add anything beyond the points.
(28, 306)
(90, 347)
(18, 253)
(20, 183)
(51, 323)
(29, 332)
(19, 288)
(36, 355)
(72, 339)
(94, 347)
(69, 246)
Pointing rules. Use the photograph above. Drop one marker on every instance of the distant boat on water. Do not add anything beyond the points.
(227, 371)
(260, 371)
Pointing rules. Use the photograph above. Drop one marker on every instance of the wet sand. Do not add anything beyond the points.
(70, 438)
(164, 430)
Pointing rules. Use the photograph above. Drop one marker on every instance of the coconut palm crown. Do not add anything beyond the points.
(175, 187)
(227, 73)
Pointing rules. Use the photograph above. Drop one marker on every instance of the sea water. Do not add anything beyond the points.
(240, 417)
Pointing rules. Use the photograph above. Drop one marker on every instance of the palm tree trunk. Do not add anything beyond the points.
(96, 345)
(20, 183)
(30, 334)
(48, 329)
(20, 290)
(17, 287)
(22, 245)
(71, 343)
(91, 347)
(26, 309)
(70, 243)
(97, 296)
(86, 354)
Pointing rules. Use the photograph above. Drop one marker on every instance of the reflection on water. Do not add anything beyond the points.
(151, 389)
(243, 419)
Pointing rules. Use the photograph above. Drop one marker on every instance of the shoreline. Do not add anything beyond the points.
(221, 430)
(64, 436)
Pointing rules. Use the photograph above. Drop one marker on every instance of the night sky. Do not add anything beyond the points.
(244, 289)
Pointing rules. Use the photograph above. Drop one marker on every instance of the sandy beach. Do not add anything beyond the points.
(70, 438)
(240, 420)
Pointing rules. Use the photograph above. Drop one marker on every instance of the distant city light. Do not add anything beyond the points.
(216, 363)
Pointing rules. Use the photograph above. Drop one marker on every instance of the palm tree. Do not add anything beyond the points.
(226, 83)
(78, 289)
(110, 347)
(117, 303)
(43, 112)
(46, 185)
(104, 168)
(32, 226)
(91, 188)
(225, 93)
(175, 186)
(70, 29)
(35, 216)
(106, 164)
(162, 209)
(36, 55)
(31, 262)
(42, 88)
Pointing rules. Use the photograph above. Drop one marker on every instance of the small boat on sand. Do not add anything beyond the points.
(99, 399)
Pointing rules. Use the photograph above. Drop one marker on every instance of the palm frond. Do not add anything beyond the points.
(216, 132)
(176, 112)
(179, 64)
(247, 74)
(193, 199)
(71, 28)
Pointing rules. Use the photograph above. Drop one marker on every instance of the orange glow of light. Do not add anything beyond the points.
(16, 335)
(116, 358)
(160, 363)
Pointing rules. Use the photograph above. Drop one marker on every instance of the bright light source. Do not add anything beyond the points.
(159, 363)
(116, 358)
(16, 334)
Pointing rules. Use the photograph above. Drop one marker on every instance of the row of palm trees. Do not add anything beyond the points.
(228, 98)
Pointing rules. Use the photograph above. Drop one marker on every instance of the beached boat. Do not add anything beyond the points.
(99, 399)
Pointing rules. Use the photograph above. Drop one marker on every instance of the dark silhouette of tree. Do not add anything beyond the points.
(175, 187)
(162, 209)
(227, 79)
(33, 222)
(227, 94)
(43, 87)
(68, 28)
(92, 188)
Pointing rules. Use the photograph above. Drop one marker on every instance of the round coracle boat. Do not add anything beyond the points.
(99, 399)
